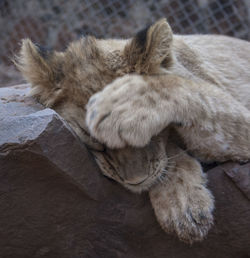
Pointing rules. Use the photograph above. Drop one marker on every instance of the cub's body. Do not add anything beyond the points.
(224, 63)
(220, 60)
(124, 93)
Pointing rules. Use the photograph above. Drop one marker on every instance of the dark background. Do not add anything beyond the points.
(54, 23)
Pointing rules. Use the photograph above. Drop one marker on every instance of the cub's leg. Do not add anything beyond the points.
(133, 108)
(182, 203)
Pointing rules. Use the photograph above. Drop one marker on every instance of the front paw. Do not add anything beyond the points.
(119, 115)
(194, 223)
(190, 218)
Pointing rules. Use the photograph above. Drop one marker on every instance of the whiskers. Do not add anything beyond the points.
(182, 152)
(163, 177)
(167, 173)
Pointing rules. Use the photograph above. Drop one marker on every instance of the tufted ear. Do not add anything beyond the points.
(33, 64)
(40, 67)
(150, 48)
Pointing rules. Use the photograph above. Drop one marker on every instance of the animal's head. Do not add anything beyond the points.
(137, 169)
(65, 80)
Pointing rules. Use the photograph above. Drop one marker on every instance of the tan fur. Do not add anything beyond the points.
(185, 205)
(121, 93)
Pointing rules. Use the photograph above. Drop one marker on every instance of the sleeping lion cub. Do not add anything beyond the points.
(128, 100)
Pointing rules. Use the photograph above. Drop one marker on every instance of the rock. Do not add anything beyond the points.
(54, 202)
(14, 102)
(240, 175)
(24, 127)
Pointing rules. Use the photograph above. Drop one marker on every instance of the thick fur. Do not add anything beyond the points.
(123, 93)
(185, 205)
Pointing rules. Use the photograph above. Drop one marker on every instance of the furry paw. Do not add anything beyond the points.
(190, 217)
(194, 223)
(121, 114)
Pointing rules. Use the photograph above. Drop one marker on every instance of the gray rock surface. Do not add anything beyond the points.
(54, 202)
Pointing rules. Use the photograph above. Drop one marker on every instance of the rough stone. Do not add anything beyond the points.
(54, 202)
(240, 176)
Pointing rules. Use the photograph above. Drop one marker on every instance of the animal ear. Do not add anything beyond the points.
(33, 64)
(39, 67)
(150, 48)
